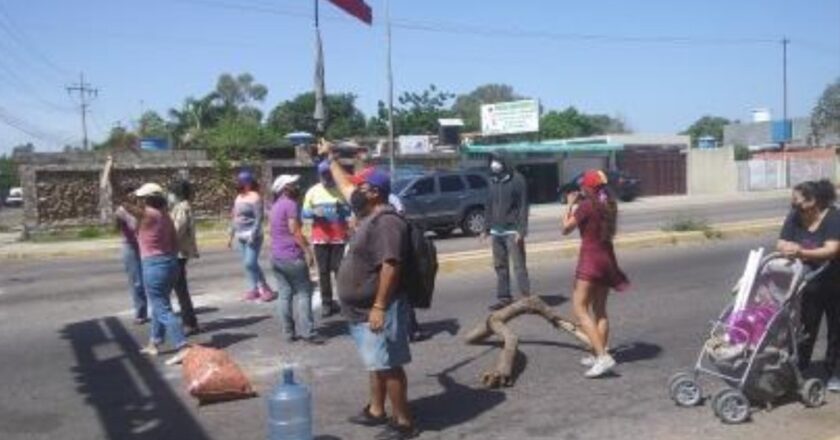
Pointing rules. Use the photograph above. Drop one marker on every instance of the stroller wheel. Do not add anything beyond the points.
(731, 406)
(812, 393)
(684, 390)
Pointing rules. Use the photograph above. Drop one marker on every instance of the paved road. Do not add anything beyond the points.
(71, 370)
(633, 218)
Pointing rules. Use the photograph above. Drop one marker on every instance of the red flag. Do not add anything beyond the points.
(356, 8)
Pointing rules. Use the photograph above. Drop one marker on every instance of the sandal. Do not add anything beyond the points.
(365, 418)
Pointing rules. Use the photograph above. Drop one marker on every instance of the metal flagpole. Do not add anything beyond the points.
(391, 143)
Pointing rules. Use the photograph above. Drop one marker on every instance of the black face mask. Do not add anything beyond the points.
(358, 203)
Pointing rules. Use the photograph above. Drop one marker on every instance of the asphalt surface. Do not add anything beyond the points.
(635, 218)
(70, 367)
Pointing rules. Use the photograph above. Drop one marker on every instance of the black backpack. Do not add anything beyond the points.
(421, 265)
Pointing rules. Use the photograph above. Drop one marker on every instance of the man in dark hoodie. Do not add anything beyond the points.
(507, 225)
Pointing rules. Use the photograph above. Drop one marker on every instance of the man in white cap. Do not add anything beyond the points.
(291, 258)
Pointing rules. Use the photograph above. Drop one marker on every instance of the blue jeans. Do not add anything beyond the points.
(159, 275)
(250, 254)
(293, 284)
(134, 270)
(389, 348)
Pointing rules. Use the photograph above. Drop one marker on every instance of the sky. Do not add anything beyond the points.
(658, 64)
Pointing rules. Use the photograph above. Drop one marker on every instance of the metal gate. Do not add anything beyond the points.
(662, 172)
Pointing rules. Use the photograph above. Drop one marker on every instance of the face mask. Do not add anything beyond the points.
(358, 203)
(496, 167)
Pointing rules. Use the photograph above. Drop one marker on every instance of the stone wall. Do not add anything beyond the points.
(63, 190)
(67, 197)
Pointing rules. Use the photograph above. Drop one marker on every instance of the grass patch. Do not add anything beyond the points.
(691, 224)
(72, 234)
(90, 233)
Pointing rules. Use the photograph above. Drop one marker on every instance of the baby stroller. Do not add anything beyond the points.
(752, 346)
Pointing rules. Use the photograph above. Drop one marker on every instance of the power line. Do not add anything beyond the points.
(486, 31)
(86, 95)
(19, 35)
(21, 85)
(7, 118)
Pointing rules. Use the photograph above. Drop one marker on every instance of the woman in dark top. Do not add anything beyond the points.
(812, 233)
(594, 212)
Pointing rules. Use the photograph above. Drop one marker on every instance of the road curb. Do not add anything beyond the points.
(450, 262)
(551, 251)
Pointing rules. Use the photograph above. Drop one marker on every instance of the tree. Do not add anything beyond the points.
(187, 123)
(119, 139)
(707, 126)
(825, 118)
(343, 118)
(415, 113)
(468, 107)
(236, 138)
(238, 94)
(8, 173)
(152, 125)
(571, 123)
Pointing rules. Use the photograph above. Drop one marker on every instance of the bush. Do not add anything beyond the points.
(90, 232)
(690, 224)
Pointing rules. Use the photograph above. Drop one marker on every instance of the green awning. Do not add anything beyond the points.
(547, 147)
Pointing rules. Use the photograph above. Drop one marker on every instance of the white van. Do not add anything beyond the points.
(15, 197)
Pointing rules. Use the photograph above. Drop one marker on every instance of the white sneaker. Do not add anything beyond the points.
(588, 360)
(178, 358)
(603, 365)
(833, 384)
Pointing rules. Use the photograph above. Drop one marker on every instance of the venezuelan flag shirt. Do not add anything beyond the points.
(329, 214)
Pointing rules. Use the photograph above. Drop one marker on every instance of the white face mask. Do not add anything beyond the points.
(496, 167)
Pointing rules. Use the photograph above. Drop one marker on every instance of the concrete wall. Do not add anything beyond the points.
(712, 171)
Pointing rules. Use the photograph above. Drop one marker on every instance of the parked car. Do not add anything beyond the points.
(626, 187)
(442, 201)
(15, 197)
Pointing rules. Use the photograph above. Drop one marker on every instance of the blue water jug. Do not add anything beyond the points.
(290, 410)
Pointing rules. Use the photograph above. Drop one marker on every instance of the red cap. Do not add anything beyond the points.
(373, 177)
(593, 179)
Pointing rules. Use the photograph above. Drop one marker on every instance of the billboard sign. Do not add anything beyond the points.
(415, 145)
(510, 117)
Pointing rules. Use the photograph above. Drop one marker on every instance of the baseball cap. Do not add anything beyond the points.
(281, 181)
(374, 177)
(149, 189)
(245, 177)
(324, 167)
(593, 179)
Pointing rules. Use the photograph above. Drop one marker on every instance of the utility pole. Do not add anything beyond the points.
(86, 95)
(391, 142)
(785, 43)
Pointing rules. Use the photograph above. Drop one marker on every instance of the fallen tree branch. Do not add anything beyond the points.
(496, 323)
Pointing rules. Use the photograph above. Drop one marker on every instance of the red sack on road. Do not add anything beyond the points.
(212, 376)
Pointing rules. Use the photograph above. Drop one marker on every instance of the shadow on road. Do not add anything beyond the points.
(554, 300)
(635, 352)
(224, 340)
(456, 404)
(450, 326)
(132, 400)
(233, 323)
(333, 329)
(203, 310)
